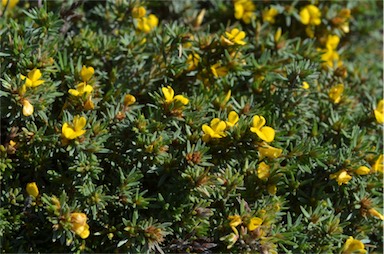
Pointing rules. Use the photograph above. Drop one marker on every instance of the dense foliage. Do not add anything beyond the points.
(191, 126)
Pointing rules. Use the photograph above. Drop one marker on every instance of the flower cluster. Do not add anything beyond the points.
(144, 23)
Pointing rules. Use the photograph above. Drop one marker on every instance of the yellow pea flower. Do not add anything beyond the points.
(379, 112)
(192, 61)
(332, 42)
(269, 152)
(263, 171)
(147, 24)
(378, 166)
(335, 93)
(27, 108)
(32, 189)
(233, 118)
(330, 58)
(235, 220)
(353, 246)
(129, 99)
(266, 133)
(218, 70)
(362, 170)
(254, 223)
(310, 15)
(138, 12)
(244, 10)
(81, 88)
(341, 177)
(169, 96)
(235, 37)
(86, 73)
(75, 129)
(305, 85)
(269, 15)
(79, 224)
(375, 213)
(215, 130)
(11, 3)
(33, 78)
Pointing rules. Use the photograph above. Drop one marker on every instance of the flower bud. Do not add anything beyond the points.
(138, 12)
(362, 170)
(32, 189)
(27, 108)
(129, 99)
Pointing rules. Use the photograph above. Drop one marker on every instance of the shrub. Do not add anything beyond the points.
(191, 126)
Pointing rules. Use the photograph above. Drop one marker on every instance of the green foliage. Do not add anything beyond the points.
(152, 171)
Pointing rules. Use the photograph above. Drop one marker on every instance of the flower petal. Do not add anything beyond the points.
(34, 75)
(68, 132)
(182, 99)
(79, 123)
(168, 93)
(86, 73)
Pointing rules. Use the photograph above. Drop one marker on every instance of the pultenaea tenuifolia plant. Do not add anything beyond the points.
(191, 126)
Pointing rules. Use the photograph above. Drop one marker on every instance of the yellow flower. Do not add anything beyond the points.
(215, 130)
(244, 10)
(362, 170)
(264, 132)
(269, 15)
(147, 24)
(75, 129)
(310, 15)
(234, 37)
(263, 171)
(81, 88)
(269, 152)
(79, 224)
(32, 189)
(332, 42)
(11, 3)
(378, 166)
(33, 79)
(86, 73)
(341, 177)
(129, 99)
(379, 112)
(169, 96)
(233, 118)
(235, 220)
(254, 223)
(218, 70)
(330, 57)
(27, 108)
(192, 61)
(353, 246)
(305, 85)
(336, 92)
(375, 213)
(138, 12)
